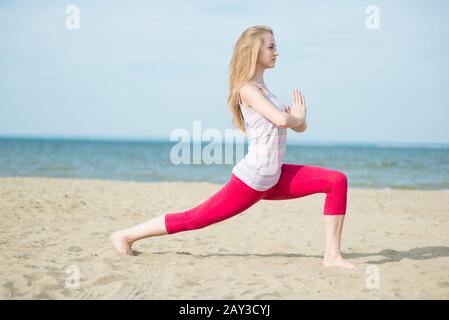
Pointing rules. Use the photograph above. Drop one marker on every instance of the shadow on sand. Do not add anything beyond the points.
(388, 255)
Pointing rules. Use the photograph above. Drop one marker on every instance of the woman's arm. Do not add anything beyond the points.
(301, 128)
(252, 96)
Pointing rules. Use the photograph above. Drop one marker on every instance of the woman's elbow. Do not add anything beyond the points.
(301, 128)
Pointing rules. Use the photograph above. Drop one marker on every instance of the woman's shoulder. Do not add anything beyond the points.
(254, 86)
(248, 89)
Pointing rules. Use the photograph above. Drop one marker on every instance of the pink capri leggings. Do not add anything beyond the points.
(235, 197)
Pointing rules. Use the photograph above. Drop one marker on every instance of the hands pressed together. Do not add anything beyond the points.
(299, 107)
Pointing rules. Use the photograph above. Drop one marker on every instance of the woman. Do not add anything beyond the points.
(262, 174)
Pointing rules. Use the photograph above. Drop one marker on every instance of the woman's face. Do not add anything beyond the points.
(268, 51)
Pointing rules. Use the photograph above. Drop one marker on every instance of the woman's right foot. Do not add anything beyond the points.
(121, 244)
(338, 261)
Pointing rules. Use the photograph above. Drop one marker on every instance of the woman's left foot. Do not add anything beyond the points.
(121, 244)
(338, 261)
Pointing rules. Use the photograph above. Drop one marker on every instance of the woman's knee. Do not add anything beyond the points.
(193, 222)
(340, 179)
(182, 221)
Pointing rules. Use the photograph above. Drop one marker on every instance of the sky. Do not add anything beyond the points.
(142, 69)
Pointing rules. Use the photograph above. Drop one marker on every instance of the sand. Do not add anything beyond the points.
(54, 244)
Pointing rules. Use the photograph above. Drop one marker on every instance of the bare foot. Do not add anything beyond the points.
(121, 244)
(338, 261)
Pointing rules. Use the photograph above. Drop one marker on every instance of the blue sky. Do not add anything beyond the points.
(141, 69)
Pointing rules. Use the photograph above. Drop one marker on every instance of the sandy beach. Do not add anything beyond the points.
(53, 230)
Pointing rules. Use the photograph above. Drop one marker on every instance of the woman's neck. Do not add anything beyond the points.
(258, 76)
(260, 82)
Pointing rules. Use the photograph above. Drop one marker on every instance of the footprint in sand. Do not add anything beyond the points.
(32, 277)
(9, 288)
(246, 291)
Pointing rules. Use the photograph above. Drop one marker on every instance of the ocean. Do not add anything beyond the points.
(366, 166)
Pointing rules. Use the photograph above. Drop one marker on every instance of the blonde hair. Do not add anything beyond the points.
(242, 68)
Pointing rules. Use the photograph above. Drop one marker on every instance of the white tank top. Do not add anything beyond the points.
(261, 167)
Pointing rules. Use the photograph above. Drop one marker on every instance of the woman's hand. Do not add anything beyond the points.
(299, 108)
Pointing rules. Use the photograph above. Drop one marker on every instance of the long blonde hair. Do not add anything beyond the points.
(243, 67)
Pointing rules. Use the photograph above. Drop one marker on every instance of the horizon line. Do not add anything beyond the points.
(167, 139)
